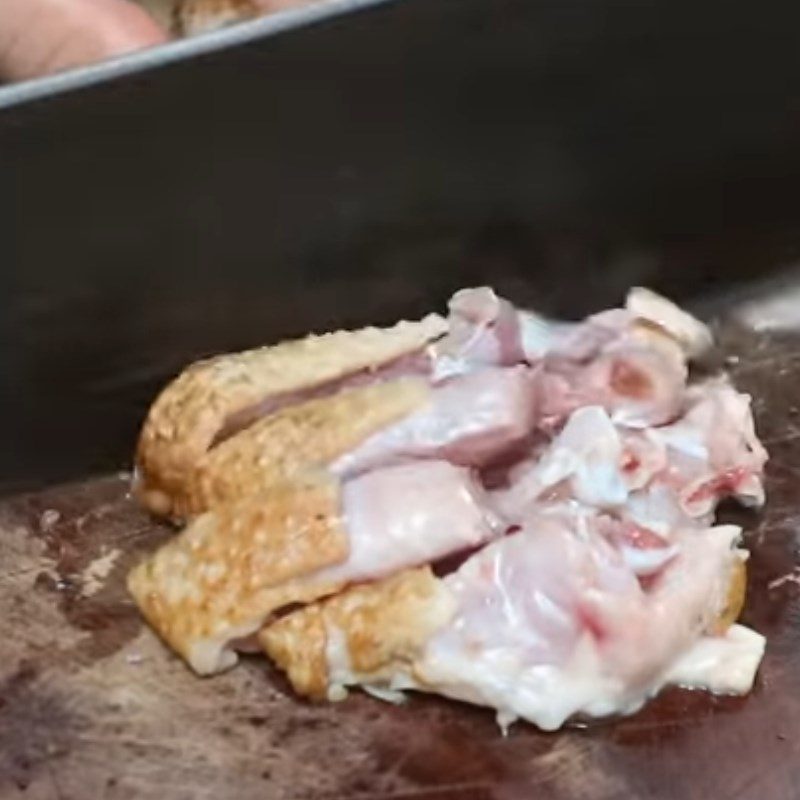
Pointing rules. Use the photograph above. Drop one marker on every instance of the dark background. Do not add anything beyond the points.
(361, 168)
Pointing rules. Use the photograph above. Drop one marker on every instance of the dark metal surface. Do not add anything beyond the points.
(360, 168)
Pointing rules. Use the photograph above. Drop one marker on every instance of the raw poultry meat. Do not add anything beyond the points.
(545, 624)
(684, 469)
(470, 420)
(632, 361)
(214, 399)
(411, 514)
(501, 508)
(228, 571)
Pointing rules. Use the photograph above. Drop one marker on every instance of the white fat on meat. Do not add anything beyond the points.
(657, 507)
(631, 360)
(552, 623)
(484, 330)
(713, 449)
(592, 461)
(645, 551)
(470, 420)
(726, 664)
(640, 383)
(487, 330)
(576, 342)
(660, 477)
(407, 515)
(692, 335)
(584, 461)
(612, 584)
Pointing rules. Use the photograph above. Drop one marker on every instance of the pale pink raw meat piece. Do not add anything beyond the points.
(411, 514)
(585, 462)
(632, 361)
(659, 476)
(713, 449)
(470, 420)
(552, 622)
(484, 330)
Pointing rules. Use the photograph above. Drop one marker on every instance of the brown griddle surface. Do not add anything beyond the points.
(92, 705)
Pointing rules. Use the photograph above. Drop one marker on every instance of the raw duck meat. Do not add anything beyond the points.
(547, 623)
(223, 577)
(677, 471)
(212, 400)
(471, 419)
(497, 507)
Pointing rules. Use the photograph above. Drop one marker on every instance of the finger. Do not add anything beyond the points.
(38, 37)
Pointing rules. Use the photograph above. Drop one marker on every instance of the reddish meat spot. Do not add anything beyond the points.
(590, 622)
(630, 463)
(629, 381)
(630, 535)
(642, 538)
(723, 484)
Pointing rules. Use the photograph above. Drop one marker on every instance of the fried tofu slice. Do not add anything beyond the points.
(222, 395)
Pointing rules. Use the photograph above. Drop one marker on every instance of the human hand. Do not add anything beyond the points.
(38, 37)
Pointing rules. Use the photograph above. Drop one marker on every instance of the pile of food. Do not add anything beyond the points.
(494, 507)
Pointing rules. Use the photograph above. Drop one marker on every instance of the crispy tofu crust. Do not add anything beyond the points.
(222, 577)
(193, 410)
(382, 628)
(294, 439)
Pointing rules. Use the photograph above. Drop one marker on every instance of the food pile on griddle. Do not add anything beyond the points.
(492, 506)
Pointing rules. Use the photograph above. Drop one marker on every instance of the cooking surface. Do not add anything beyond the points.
(564, 151)
(92, 705)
